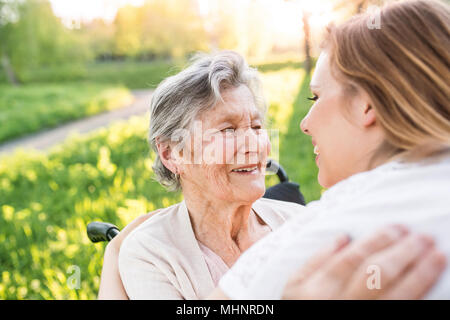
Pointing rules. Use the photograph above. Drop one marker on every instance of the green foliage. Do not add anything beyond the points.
(31, 36)
(99, 37)
(35, 46)
(46, 201)
(163, 28)
(31, 108)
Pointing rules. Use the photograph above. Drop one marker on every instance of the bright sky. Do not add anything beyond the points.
(285, 14)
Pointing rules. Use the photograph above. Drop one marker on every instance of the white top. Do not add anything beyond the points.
(162, 259)
(417, 195)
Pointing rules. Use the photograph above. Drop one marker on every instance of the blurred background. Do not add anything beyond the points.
(76, 78)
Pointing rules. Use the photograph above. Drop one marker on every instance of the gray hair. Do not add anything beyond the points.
(179, 99)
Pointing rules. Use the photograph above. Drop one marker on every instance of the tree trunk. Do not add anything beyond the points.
(10, 75)
(360, 7)
(307, 42)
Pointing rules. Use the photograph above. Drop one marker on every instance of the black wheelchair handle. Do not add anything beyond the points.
(275, 167)
(101, 231)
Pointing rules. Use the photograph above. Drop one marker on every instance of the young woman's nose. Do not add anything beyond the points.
(304, 125)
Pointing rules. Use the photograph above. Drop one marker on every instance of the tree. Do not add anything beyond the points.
(164, 28)
(32, 36)
(128, 23)
(307, 42)
(306, 39)
(99, 36)
(8, 15)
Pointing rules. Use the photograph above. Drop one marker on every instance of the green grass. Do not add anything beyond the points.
(276, 66)
(131, 74)
(287, 91)
(30, 108)
(46, 201)
(53, 95)
(296, 153)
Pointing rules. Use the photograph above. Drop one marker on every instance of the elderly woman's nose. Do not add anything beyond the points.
(248, 141)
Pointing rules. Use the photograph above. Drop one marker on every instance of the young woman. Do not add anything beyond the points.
(380, 126)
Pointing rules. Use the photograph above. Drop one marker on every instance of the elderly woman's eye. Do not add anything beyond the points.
(313, 98)
(228, 130)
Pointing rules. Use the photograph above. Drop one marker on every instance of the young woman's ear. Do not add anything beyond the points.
(369, 117)
(165, 154)
(365, 112)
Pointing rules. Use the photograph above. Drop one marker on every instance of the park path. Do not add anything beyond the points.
(43, 140)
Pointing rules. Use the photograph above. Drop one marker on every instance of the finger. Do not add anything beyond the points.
(387, 266)
(344, 264)
(324, 255)
(420, 279)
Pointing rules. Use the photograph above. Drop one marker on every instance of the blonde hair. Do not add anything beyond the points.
(404, 67)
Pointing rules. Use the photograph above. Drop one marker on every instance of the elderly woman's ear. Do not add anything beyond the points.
(167, 156)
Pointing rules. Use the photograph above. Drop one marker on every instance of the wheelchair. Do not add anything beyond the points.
(285, 190)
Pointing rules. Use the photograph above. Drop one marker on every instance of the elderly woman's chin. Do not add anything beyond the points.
(248, 188)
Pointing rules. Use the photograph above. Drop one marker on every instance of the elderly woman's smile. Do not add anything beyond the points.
(252, 169)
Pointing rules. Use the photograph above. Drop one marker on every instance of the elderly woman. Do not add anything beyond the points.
(207, 130)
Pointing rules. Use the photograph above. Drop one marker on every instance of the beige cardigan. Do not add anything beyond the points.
(161, 259)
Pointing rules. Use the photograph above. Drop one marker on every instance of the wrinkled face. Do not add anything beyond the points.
(229, 149)
(342, 133)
